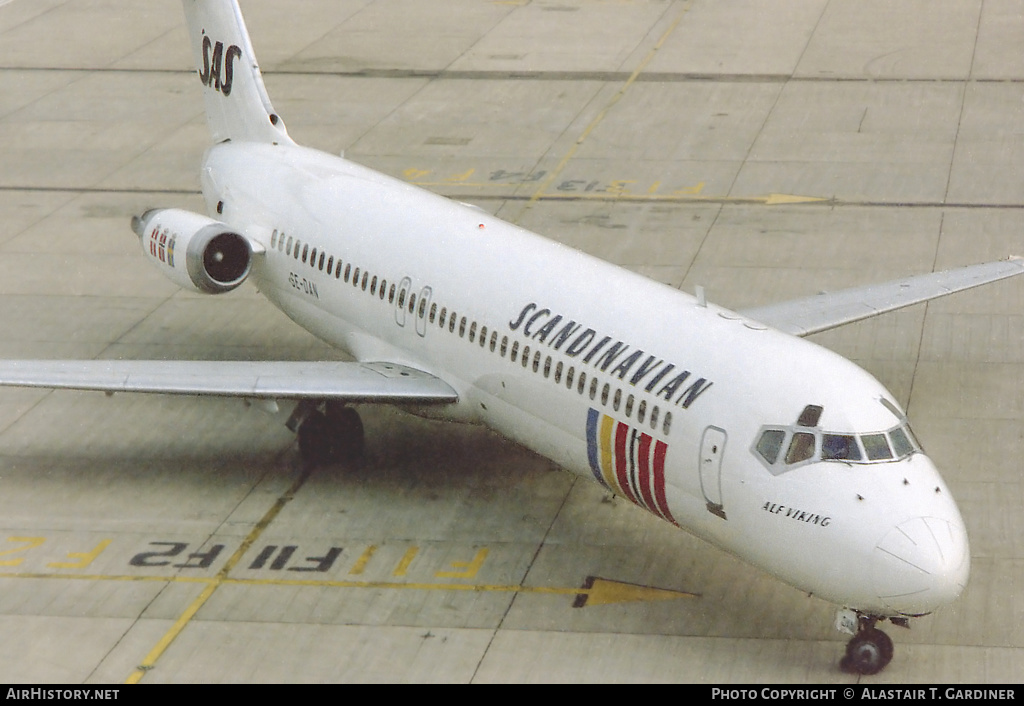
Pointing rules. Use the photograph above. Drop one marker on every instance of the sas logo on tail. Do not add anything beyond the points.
(218, 65)
(628, 462)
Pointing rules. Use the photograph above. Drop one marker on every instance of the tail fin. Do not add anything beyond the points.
(237, 104)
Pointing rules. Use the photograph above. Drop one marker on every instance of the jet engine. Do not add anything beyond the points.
(196, 252)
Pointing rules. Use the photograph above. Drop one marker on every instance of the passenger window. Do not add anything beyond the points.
(569, 375)
(770, 444)
(483, 336)
(526, 356)
(801, 448)
(582, 383)
(604, 392)
(373, 287)
(391, 294)
(668, 423)
(536, 361)
(444, 315)
(412, 301)
(330, 265)
(515, 351)
(321, 265)
(558, 372)
(433, 312)
(451, 322)
(617, 399)
(593, 386)
(494, 340)
(504, 346)
(472, 332)
(305, 253)
(462, 328)
(839, 447)
(365, 278)
(337, 271)
(312, 258)
(876, 447)
(273, 239)
(547, 366)
(641, 412)
(629, 406)
(288, 248)
(654, 417)
(355, 278)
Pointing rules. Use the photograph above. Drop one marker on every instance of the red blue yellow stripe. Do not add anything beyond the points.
(628, 462)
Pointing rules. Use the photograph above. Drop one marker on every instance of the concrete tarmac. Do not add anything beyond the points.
(762, 150)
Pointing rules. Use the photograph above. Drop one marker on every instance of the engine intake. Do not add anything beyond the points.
(194, 251)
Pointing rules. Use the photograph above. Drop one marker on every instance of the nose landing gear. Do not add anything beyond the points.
(869, 650)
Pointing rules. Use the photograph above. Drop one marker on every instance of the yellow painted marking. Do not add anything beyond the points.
(363, 560)
(771, 200)
(620, 187)
(607, 466)
(469, 568)
(414, 173)
(689, 190)
(542, 190)
(461, 177)
(150, 661)
(85, 557)
(617, 191)
(403, 565)
(604, 592)
(600, 592)
(31, 542)
(776, 199)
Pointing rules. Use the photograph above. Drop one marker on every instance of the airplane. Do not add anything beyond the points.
(729, 425)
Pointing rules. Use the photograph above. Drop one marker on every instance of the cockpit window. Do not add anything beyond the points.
(877, 447)
(801, 447)
(900, 443)
(805, 444)
(770, 444)
(839, 447)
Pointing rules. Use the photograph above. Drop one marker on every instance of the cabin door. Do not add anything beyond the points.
(712, 447)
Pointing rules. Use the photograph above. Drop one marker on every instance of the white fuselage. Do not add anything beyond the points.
(451, 290)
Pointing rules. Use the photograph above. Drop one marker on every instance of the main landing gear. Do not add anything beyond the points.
(328, 432)
(870, 649)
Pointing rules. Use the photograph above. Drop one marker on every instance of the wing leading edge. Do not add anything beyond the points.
(802, 317)
(349, 382)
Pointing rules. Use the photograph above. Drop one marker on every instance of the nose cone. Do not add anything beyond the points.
(922, 564)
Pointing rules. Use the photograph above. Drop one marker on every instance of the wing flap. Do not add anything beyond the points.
(802, 317)
(350, 382)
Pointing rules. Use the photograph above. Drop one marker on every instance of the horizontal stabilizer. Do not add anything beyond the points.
(802, 317)
(319, 380)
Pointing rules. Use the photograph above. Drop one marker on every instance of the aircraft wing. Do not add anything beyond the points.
(320, 380)
(802, 317)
